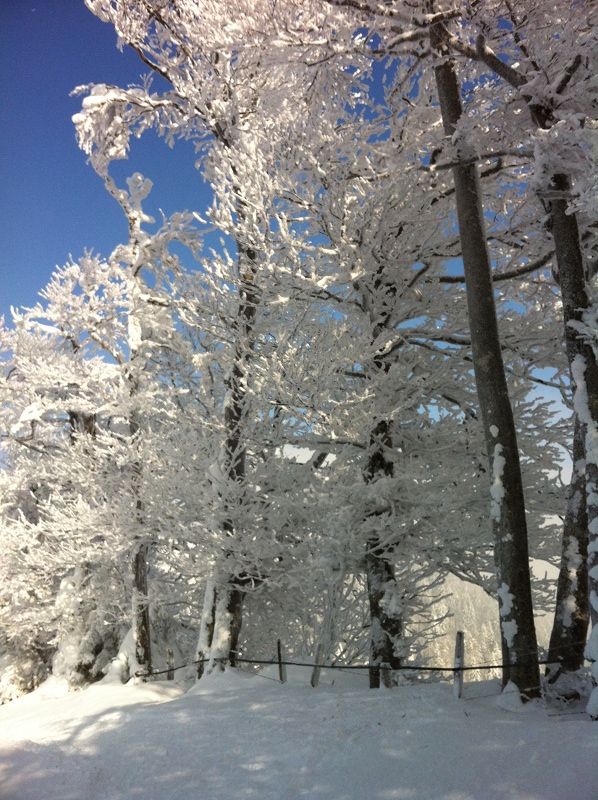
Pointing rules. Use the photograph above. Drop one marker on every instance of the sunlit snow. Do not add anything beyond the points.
(239, 736)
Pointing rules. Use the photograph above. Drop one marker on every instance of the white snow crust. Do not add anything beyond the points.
(510, 699)
(591, 651)
(238, 736)
(509, 629)
(506, 599)
(497, 490)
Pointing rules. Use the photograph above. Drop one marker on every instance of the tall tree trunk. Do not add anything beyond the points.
(141, 615)
(130, 202)
(140, 600)
(571, 619)
(92, 637)
(386, 612)
(509, 527)
(576, 295)
(386, 618)
(581, 355)
(206, 629)
(227, 604)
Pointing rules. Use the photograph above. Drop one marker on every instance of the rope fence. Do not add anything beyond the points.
(376, 670)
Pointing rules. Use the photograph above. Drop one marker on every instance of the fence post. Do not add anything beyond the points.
(315, 678)
(386, 674)
(374, 672)
(459, 663)
(282, 668)
(170, 664)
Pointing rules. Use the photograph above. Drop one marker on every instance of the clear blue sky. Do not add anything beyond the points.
(52, 203)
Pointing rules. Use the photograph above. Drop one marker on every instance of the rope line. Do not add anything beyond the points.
(355, 667)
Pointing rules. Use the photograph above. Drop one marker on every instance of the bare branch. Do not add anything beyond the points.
(520, 152)
(568, 73)
(150, 64)
(517, 272)
(489, 57)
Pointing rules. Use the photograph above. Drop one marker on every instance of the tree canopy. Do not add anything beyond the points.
(297, 430)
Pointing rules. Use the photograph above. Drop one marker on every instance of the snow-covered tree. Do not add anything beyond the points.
(286, 432)
(233, 94)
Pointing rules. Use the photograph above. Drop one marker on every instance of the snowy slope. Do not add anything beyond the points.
(238, 736)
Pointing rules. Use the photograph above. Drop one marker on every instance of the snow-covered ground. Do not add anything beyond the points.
(238, 736)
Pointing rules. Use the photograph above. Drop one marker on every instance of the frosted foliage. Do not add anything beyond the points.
(224, 408)
(70, 397)
(101, 131)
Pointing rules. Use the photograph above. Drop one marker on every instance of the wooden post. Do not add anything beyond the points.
(200, 664)
(282, 668)
(315, 678)
(374, 671)
(459, 663)
(170, 664)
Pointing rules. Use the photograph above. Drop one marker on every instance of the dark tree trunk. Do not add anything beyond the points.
(571, 619)
(84, 427)
(386, 629)
(576, 295)
(227, 611)
(577, 301)
(507, 507)
(230, 600)
(140, 602)
(141, 616)
(386, 621)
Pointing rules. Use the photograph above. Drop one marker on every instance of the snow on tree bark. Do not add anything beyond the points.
(509, 526)
(227, 611)
(386, 617)
(571, 619)
(131, 202)
(549, 112)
